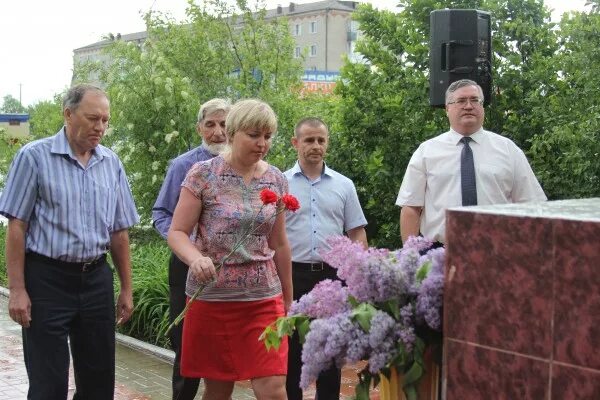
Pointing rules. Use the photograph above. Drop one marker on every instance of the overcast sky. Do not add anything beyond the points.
(37, 37)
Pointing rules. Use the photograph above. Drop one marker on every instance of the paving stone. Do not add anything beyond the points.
(139, 374)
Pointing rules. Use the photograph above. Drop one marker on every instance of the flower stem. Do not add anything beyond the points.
(239, 244)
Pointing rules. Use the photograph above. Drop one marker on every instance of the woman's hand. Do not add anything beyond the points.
(287, 304)
(203, 269)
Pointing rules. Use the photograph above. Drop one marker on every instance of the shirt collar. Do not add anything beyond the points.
(297, 170)
(60, 145)
(456, 137)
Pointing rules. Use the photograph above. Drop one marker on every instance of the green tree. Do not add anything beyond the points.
(565, 155)
(156, 89)
(45, 117)
(384, 111)
(12, 105)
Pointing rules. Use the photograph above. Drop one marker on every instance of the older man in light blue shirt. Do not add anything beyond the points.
(68, 203)
(330, 207)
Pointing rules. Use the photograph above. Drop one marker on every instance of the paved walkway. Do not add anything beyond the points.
(143, 372)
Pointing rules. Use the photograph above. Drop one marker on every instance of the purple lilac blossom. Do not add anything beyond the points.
(326, 343)
(430, 300)
(358, 344)
(418, 243)
(409, 262)
(382, 340)
(344, 255)
(405, 327)
(430, 296)
(371, 275)
(325, 300)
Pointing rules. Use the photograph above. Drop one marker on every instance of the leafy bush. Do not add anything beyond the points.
(150, 319)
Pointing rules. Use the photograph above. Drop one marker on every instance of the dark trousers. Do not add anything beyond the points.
(183, 388)
(69, 305)
(328, 382)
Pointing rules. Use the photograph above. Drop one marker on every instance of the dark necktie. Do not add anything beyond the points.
(467, 174)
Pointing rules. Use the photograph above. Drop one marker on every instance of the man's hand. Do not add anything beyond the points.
(19, 307)
(124, 306)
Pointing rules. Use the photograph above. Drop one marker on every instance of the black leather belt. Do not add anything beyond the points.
(312, 266)
(86, 266)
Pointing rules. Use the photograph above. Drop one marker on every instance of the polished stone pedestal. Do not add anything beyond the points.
(522, 301)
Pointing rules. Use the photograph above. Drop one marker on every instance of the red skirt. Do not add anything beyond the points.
(220, 340)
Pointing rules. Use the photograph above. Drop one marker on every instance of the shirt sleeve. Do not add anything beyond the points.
(526, 186)
(195, 180)
(125, 212)
(164, 207)
(20, 192)
(353, 213)
(412, 190)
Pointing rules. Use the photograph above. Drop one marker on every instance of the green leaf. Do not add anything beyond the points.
(302, 326)
(364, 383)
(392, 307)
(363, 314)
(410, 392)
(285, 326)
(423, 271)
(353, 302)
(362, 391)
(413, 375)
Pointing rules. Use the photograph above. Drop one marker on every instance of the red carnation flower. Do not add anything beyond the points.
(268, 196)
(291, 203)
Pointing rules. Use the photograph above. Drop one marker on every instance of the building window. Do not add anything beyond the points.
(297, 31)
(297, 52)
(312, 27)
(313, 50)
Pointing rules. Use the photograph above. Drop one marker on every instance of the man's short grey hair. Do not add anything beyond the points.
(313, 122)
(212, 106)
(73, 97)
(454, 86)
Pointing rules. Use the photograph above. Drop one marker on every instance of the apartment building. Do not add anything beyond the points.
(323, 30)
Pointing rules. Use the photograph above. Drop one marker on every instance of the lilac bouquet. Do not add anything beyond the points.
(387, 313)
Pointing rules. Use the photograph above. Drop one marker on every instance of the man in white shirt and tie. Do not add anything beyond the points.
(465, 166)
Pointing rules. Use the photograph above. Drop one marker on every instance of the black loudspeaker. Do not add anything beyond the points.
(461, 48)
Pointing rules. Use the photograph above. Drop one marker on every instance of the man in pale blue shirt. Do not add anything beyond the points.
(330, 207)
(68, 204)
(211, 127)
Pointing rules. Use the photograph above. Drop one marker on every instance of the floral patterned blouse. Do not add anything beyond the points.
(233, 213)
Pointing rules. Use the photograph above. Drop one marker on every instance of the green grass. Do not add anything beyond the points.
(150, 319)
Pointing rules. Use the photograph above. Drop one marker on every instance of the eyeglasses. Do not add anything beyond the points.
(474, 101)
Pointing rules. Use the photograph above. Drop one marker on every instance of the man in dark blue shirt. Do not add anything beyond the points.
(211, 127)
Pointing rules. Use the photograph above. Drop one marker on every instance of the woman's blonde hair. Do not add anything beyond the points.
(250, 114)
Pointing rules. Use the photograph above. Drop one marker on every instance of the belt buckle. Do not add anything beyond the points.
(85, 267)
(316, 267)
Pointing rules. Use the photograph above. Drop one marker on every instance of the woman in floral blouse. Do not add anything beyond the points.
(247, 239)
